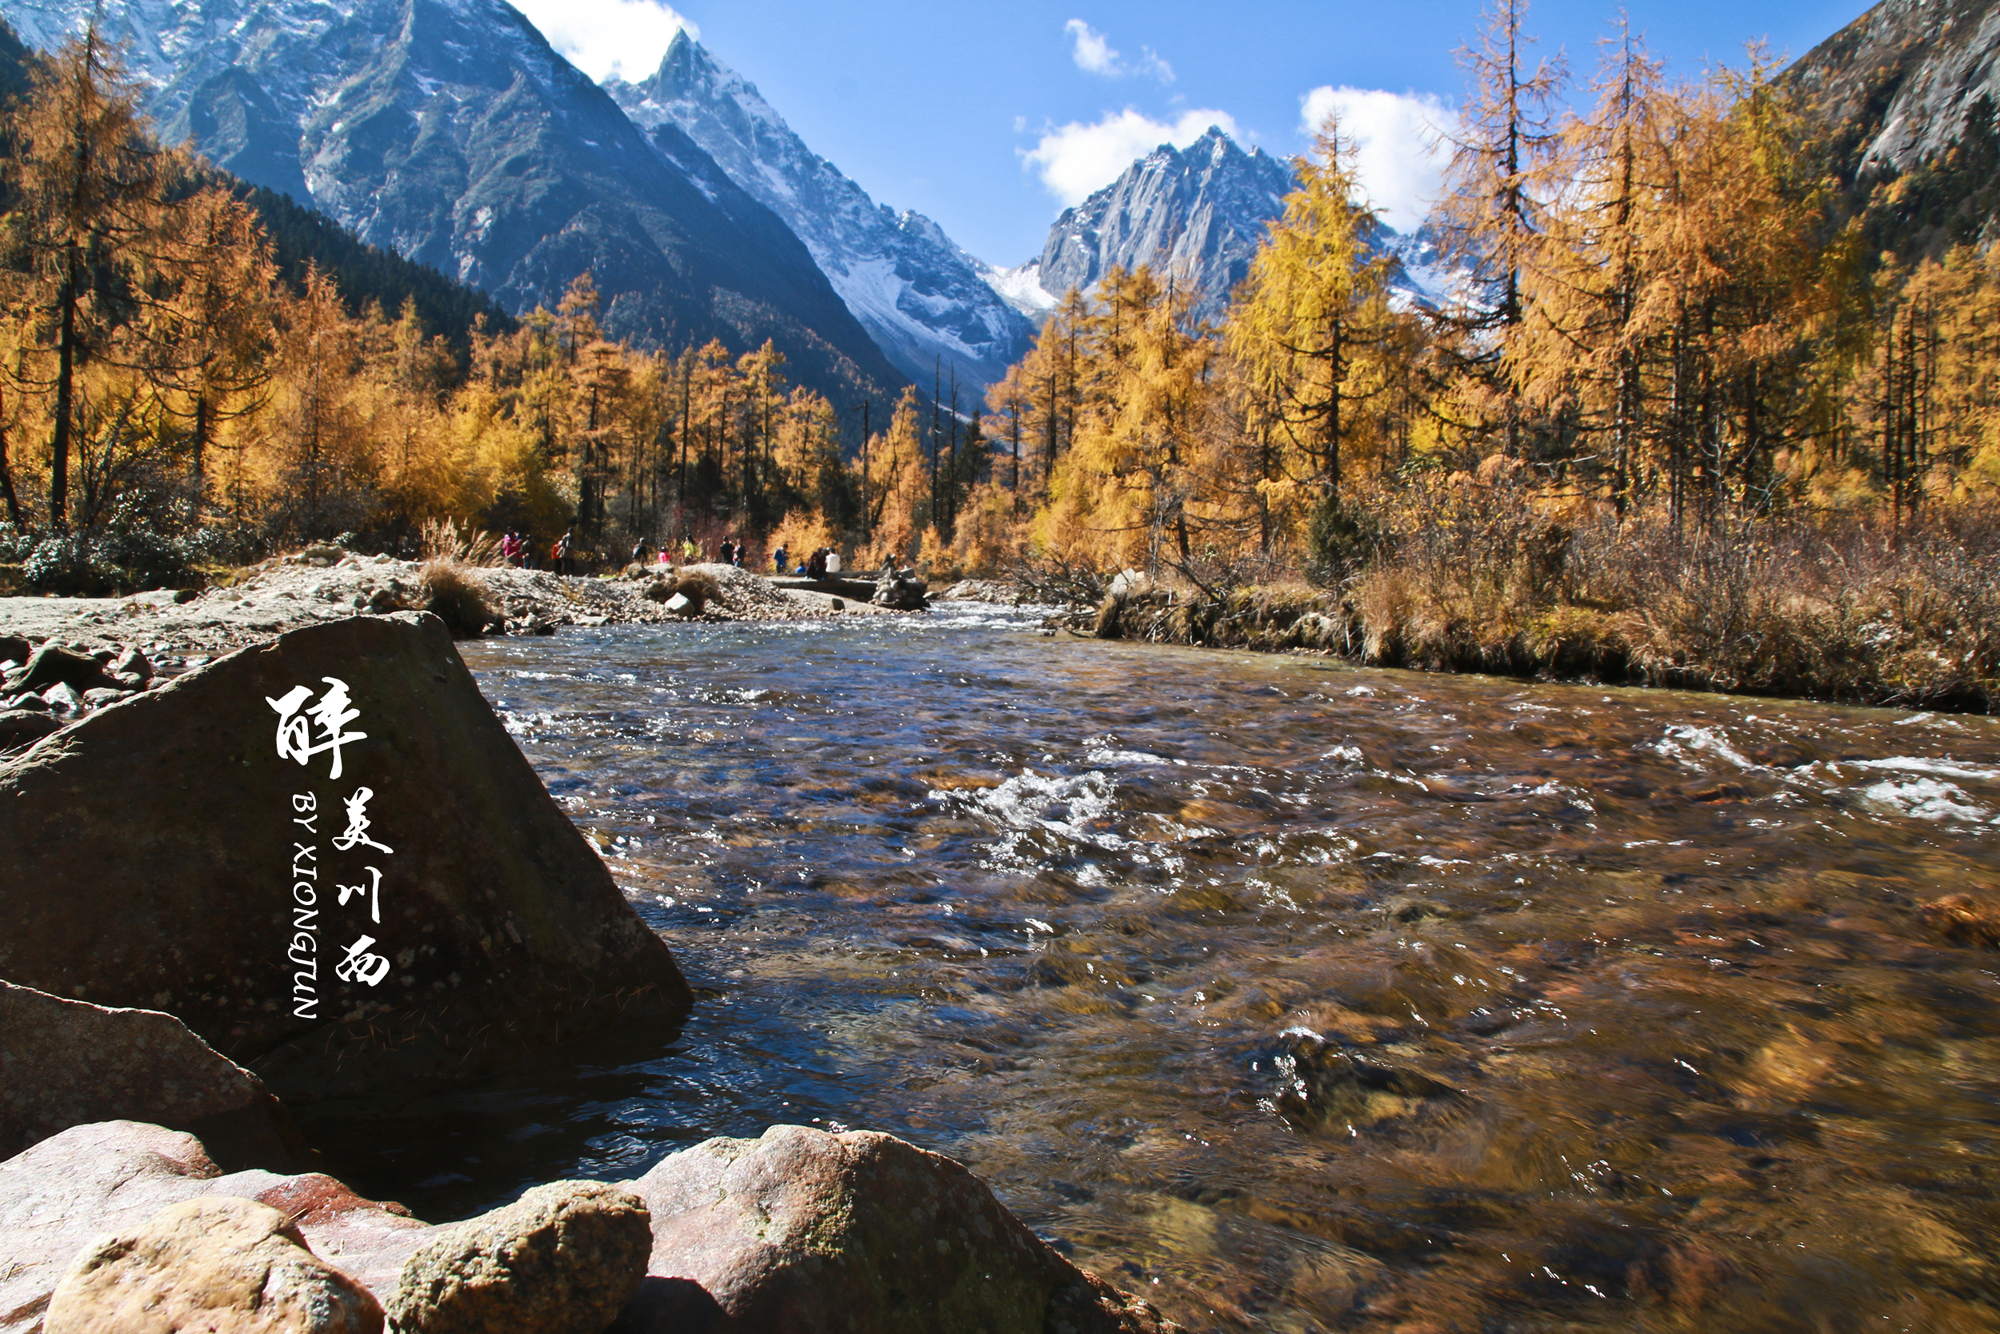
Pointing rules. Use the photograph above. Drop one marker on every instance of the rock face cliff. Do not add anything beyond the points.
(1907, 95)
(450, 132)
(1194, 214)
(917, 294)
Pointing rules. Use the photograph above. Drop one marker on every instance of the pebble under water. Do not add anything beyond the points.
(1292, 995)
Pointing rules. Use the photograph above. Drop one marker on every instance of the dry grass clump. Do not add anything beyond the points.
(453, 590)
(443, 540)
(456, 595)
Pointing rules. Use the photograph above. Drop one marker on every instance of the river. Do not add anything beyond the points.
(1293, 995)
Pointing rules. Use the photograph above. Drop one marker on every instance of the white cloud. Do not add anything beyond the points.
(603, 38)
(1093, 53)
(1399, 145)
(1075, 159)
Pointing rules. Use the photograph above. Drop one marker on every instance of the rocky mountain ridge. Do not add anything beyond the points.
(1196, 215)
(451, 132)
(917, 294)
(1906, 99)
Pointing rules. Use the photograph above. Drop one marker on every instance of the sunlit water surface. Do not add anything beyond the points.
(1291, 995)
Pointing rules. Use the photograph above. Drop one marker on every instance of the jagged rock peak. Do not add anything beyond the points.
(1197, 213)
(917, 294)
(451, 132)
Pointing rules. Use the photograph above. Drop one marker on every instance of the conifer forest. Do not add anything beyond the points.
(1695, 411)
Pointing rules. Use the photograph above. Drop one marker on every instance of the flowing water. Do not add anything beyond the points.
(1292, 995)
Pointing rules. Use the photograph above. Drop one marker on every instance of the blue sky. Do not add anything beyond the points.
(990, 117)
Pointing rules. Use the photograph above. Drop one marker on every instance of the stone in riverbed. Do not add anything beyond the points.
(22, 727)
(67, 1063)
(216, 1264)
(562, 1259)
(152, 861)
(132, 662)
(62, 698)
(51, 665)
(902, 594)
(112, 1176)
(802, 1230)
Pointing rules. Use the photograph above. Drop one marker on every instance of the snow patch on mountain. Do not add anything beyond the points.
(917, 294)
(1196, 215)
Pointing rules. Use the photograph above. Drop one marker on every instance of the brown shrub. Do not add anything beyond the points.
(456, 595)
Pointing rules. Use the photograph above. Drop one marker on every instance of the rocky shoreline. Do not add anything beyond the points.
(99, 651)
(195, 972)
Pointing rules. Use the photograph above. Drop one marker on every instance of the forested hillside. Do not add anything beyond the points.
(1682, 416)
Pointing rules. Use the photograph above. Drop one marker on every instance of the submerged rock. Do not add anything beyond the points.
(165, 855)
(802, 1231)
(560, 1260)
(216, 1264)
(67, 1063)
(1329, 1085)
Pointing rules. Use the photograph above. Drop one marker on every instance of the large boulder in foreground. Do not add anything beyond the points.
(58, 1197)
(799, 1231)
(802, 1231)
(68, 1063)
(216, 1264)
(194, 850)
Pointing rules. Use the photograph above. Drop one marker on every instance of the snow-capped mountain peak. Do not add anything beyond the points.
(916, 293)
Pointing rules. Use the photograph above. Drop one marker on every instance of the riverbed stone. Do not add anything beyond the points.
(131, 661)
(67, 1063)
(217, 1264)
(22, 727)
(902, 593)
(62, 698)
(153, 861)
(60, 1194)
(52, 664)
(802, 1231)
(562, 1259)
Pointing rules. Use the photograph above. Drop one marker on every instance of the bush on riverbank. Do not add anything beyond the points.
(1822, 609)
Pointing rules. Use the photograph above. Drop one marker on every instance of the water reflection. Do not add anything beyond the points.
(1294, 995)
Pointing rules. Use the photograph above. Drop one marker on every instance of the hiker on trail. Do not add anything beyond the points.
(726, 553)
(689, 551)
(641, 550)
(559, 553)
(778, 560)
(816, 567)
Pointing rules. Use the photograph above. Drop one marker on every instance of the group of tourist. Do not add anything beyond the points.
(518, 550)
